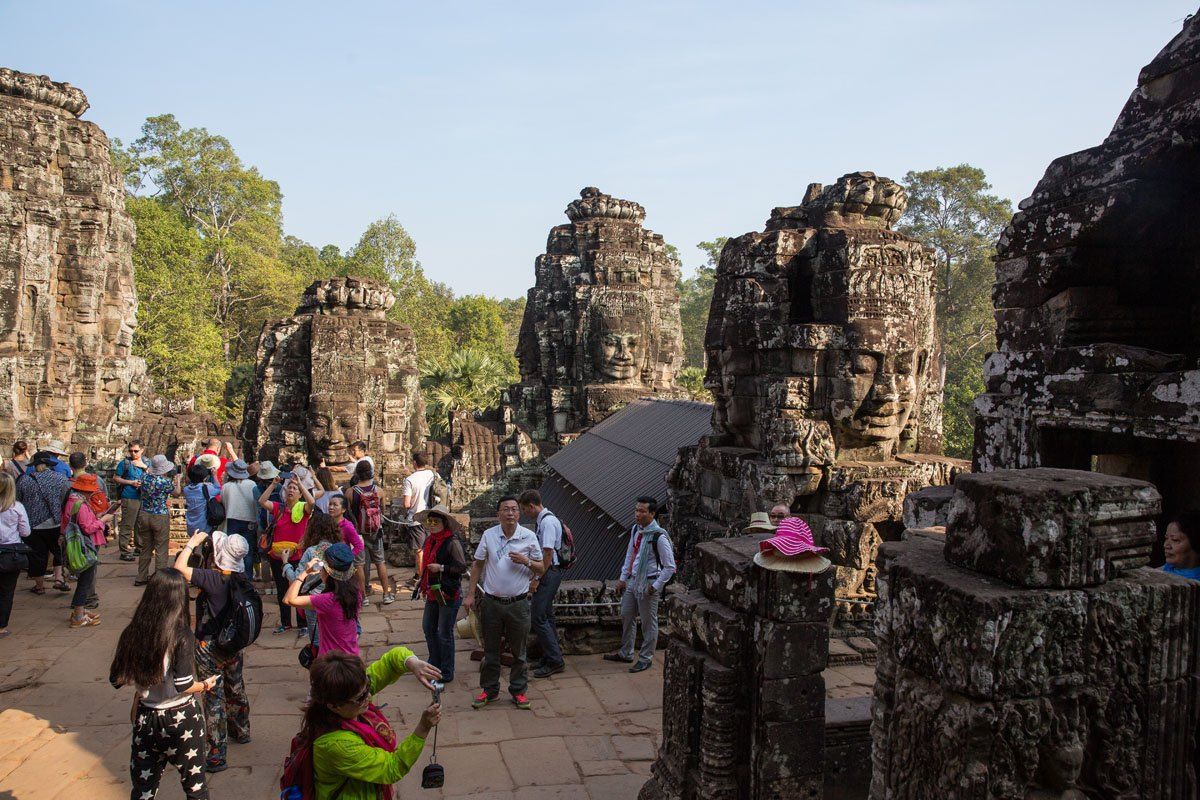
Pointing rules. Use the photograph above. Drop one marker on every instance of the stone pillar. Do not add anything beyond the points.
(1033, 655)
(743, 695)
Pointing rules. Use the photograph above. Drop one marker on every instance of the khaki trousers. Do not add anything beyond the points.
(126, 533)
(154, 537)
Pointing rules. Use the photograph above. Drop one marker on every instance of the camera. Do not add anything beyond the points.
(434, 774)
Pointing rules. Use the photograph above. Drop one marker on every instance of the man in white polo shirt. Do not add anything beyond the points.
(508, 557)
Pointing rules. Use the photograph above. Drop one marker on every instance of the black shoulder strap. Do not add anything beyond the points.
(204, 488)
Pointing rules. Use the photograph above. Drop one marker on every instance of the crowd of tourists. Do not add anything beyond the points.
(306, 536)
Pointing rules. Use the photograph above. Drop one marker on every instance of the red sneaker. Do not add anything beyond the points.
(522, 702)
(482, 700)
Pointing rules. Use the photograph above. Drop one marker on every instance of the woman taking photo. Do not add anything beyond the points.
(289, 523)
(443, 564)
(154, 655)
(355, 752)
(338, 506)
(336, 607)
(14, 528)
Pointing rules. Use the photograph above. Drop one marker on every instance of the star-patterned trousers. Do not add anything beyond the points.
(172, 736)
(227, 707)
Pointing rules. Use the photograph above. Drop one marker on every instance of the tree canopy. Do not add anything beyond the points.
(952, 210)
(212, 264)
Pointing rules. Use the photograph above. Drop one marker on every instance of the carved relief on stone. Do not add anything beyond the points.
(601, 324)
(821, 359)
(335, 373)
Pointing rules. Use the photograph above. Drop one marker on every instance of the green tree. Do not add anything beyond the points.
(695, 298)
(512, 311)
(952, 210)
(466, 380)
(237, 214)
(183, 349)
(692, 381)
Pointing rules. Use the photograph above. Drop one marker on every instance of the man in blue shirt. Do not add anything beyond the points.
(56, 453)
(129, 477)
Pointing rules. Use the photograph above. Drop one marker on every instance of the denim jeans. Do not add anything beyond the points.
(542, 612)
(438, 624)
(85, 586)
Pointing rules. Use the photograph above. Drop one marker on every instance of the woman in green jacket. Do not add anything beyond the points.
(355, 752)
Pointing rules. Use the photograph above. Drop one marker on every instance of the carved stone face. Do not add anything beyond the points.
(873, 395)
(331, 429)
(618, 355)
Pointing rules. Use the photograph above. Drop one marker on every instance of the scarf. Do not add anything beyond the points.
(372, 726)
(433, 543)
(641, 569)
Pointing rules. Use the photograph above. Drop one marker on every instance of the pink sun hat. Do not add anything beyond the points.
(792, 538)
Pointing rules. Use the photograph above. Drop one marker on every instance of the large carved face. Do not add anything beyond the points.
(332, 427)
(620, 343)
(873, 395)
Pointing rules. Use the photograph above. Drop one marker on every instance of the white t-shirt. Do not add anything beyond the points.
(549, 529)
(416, 487)
(353, 465)
(502, 577)
(238, 497)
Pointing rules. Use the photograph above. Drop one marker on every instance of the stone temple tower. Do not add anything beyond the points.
(67, 298)
(601, 324)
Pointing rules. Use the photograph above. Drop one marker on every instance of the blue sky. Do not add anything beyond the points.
(477, 123)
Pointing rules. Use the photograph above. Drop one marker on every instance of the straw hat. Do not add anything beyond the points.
(439, 511)
(55, 446)
(760, 522)
(210, 460)
(468, 626)
(267, 471)
(792, 549)
(810, 563)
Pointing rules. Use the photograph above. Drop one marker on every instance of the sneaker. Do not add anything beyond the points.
(282, 629)
(482, 699)
(140, 583)
(128, 557)
(521, 702)
(546, 670)
(85, 621)
(301, 633)
(618, 658)
(388, 598)
(365, 601)
(640, 666)
(93, 603)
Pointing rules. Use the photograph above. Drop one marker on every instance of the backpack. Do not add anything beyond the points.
(370, 511)
(80, 551)
(658, 560)
(299, 780)
(98, 501)
(214, 509)
(566, 545)
(241, 621)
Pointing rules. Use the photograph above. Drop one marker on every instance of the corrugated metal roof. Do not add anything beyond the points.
(630, 453)
(599, 541)
(593, 481)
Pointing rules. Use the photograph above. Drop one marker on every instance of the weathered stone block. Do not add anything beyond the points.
(1051, 527)
(785, 750)
(790, 649)
(725, 570)
(928, 508)
(801, 697)
(723, 633)
(794, 596)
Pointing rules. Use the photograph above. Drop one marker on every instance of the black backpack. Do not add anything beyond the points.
(214, 509)
(241, 621)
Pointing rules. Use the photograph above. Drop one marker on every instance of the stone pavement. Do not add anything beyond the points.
(64, 732)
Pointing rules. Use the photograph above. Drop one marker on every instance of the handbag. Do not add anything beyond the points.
(14, 557)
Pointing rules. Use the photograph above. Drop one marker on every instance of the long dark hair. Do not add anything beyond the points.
(347, 596)
(162, 618)
(321, 528)
(334, 678)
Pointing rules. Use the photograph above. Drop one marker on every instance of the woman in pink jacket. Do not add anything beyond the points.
(78, 509)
